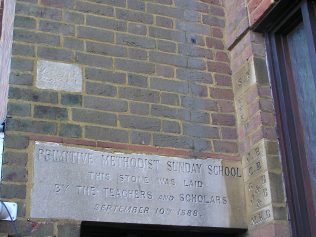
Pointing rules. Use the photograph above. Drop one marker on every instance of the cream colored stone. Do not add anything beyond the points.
(58, 76)
(83, 184)
(263, 190)
(241, 110)
(258, 193)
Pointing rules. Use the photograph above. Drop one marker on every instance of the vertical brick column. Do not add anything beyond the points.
(258, 144)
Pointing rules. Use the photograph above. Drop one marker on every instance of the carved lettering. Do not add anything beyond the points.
(127, 193)
(261, 217)
(129, 162)
(99, 176)
(125, 178)
(86, 190)
(61, 188)
(193, 183)
(206, 199)
(63, 156)
(224, 171)
(137, 188)
(167, 181)
(184, 167)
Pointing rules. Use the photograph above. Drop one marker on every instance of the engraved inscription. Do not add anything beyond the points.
(258, 192)
(58, 76)
(242, 110)
(242, 79)
(261, 217)
(257, 152)
(81, 184)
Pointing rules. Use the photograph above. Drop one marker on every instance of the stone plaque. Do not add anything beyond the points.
(58, 76)
(82, 184)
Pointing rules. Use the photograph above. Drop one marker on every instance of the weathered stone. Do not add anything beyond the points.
(242, 79)
(137, 188)
(263, 190)
(263, 156)
(58, 76)
(266, 215)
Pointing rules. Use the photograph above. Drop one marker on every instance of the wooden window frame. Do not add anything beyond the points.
(294, 159)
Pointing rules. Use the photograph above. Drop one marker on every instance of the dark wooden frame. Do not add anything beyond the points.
(298, 185)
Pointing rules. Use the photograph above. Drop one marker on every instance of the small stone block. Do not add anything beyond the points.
(58, 76)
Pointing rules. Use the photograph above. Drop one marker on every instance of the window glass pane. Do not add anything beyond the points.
(306, 95)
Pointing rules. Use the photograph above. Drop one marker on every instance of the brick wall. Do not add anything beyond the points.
(156, 79)
(157, 71)
(6, 16)
(257, 9)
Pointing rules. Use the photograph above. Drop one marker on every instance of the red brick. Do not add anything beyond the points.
(164, 71)
(217, 33)
(264, 92)
(223, 80)
(229, 133)
(259, 11)
(263, 132)
(112, 145)
(268, 119)
(253, 4)
(80, 142)
(170, 152)
(219, 67)
(225, 106)
(218, 93)
(214, 43)
(221, 56)
(225, 147)
(266, 105)
(45, 138)
(217, 11)
(223, 119)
